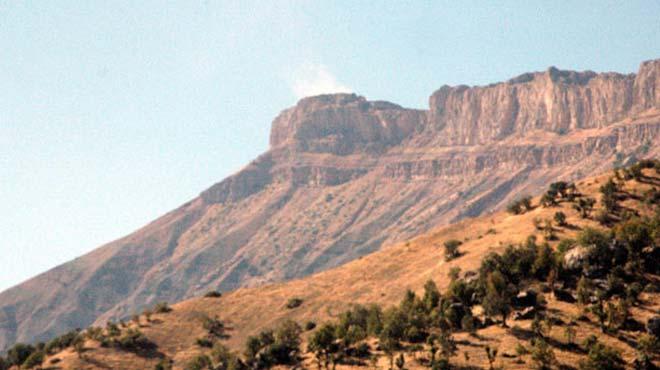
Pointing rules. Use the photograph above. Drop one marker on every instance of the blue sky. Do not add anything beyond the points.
(112, 113)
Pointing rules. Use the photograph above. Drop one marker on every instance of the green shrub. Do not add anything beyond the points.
(35, 359)
(213, 294)
(565, 245)
(310, 325)
(294, 302)
(324, 345)
(601, 357)
(281, 347)
(215, 327)
(584, 206)
(520, 206)
(560, 218)
(451, 249)
(225, 359)
(63, 341)
(204, 342)
(133, 340)
(17, 354)
(162, 307)
(164, 364)
(543, 358)
(200, 362)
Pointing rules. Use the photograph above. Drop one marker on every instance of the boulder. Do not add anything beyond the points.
(575, 258)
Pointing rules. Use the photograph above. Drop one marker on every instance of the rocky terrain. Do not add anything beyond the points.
(346, 176)
(170, 336)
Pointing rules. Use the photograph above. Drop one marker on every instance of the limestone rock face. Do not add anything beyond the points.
(342, 124)
(647, 85)
(555, 101)
(346, 176)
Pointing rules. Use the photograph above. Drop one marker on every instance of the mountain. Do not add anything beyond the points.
(383, 278)
(345, 176)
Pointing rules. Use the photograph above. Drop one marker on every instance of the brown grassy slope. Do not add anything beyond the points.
(345, 176)
(381, 277)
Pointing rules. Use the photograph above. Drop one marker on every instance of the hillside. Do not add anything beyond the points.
(345, 176)
(383, 278)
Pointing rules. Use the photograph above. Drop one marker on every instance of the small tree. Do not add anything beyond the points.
(147, 314)
(491, 354)
(569, 334)
(618, 314)
(548, 200)
(609, 198)
(162, 307)
(431, 295)
(79, 345)
(468, 324)
(647, 346)
(543, 358)
(400, 362)
(520, 206)
(514, 208)
(447, 344)
(584, 290)
(17, 354)
(601, 357)
(393, 332)
(548, 230)
(584, 206)
(224, 359)
(164, 364)
(323, 344)
(526, 203)
(497, 300)
(602, 217)
(598, 310)
(35, 359)
(215, 328)
(451, 249)
(213, 294)
(454, 273)
(560, 218)
(294, 302)
(538, 327)
(199, 362)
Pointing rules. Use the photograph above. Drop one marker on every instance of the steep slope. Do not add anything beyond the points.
(382, 278)
(345, 176)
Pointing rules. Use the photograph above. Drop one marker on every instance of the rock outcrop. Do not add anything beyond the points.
(345, 176)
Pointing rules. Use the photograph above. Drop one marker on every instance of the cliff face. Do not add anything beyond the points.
(555, 101)
(345, 176)
(344, 124)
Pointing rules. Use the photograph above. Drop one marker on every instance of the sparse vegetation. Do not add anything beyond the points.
(162, 307)
(213, 294)
(543, 358)
(605, 268)
(584, 206)
(294, 302)
(451, 249)
(279, 347)
(520, 206)
(600, 357)
(560, 218)
(17, 354)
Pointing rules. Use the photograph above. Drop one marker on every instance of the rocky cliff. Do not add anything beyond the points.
(346, 176)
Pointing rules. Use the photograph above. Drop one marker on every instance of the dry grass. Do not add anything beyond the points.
(381, 277)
